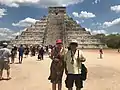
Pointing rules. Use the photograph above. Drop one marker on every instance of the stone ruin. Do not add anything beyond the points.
(57, 25)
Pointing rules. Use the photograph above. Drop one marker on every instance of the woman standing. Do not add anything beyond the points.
(57, 65)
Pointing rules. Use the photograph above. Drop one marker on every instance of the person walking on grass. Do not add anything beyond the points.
(4, 61)
(57, 65)
(21, 52)
(73, 66)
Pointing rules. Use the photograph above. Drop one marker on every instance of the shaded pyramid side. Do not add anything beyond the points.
(84, 38)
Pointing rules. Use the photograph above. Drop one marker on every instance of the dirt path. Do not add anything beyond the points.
(32, 74)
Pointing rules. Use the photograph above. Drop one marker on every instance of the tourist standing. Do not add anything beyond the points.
(26, 51)
(73, 66)
(33, 51)
(118, 50)
(47, 49)
(21, 52)
(101, 53)
(13, 54)
(57, 65)
(41, 53)
(4, 61)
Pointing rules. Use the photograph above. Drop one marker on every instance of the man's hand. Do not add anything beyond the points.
(82, 59)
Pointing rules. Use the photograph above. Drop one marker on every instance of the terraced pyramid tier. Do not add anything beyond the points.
(57, 25)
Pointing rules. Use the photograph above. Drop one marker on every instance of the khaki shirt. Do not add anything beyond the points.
(4, 54)
(74, 68)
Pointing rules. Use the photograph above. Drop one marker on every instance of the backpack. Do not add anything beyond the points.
(84, 70)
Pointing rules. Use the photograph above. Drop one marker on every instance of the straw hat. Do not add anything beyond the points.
(74, 41)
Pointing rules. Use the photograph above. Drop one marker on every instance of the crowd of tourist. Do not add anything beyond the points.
(69, 59)
(8, 56)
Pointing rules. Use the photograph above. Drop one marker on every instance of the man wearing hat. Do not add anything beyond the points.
(73, 60)
(57, 65)
(4, 61)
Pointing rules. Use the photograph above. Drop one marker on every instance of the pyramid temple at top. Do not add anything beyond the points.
(57, 25)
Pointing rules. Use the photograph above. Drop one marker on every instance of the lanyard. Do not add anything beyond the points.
(72, 56)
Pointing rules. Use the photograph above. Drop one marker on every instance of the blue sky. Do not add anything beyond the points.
(97, 16)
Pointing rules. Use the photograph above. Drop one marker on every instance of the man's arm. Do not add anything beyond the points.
(82, 57)
(9, 55)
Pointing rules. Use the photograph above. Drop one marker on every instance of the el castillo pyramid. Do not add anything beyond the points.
(57, 25)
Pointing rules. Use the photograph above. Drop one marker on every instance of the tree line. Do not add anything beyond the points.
(111, 40)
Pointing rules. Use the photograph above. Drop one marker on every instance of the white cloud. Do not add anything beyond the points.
(115, 32)
(5, 30)
(96, 24)
(112, 23)
(16, 34)
(88, 29)
(84, 15)
(25, 23)
(16, 3)
(2, 12)
(116, 8)
(93, 32)
(10, 37)
(75, 14)
(99, 32)
(42, 3)
(96, 2)
(5, 33)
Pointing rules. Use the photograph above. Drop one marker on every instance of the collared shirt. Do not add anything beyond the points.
(73, 68)
(4, 54)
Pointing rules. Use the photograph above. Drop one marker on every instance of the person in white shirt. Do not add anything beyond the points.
(73, 60)
(4, 61)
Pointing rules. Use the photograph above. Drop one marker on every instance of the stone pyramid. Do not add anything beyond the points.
(57, 25)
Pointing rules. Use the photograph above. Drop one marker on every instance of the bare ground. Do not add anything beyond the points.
(103, 74)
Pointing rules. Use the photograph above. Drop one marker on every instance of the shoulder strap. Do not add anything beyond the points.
(72, 56)
(78, 54)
